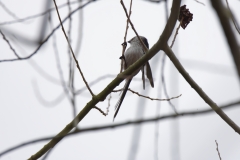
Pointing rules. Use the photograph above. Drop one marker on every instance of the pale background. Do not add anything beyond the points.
(201, 48)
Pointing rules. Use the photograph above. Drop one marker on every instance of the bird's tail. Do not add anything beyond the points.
(118, 105)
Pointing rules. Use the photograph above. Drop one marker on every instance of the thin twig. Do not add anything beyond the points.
(234, 21)
(157, 99)
(71, 66)
(200, 2)
(37, 15)
(109, 99)
(124, 124)
(164, 83)
(94, 82)
(106, 91)
(42, 100)
(175, 35)
(124, 45)
(218, 150)
(140, 95)
(9, 44)
(47, 38)
(38, 69)
(72, 50)
(8, 11)
(124, 8)
(155, 1)
(100, 110)
(230, 36)
(59, 68)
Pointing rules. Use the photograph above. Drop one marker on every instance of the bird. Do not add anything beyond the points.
(132, 54)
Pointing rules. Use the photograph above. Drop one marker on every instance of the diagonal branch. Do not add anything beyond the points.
(124, 124)
(197, 88)
(46, 39)
(128, 19)
(72, 50)
(233, 19)
(9, 44)
(102, 95)
(224, 19)
(124, 45)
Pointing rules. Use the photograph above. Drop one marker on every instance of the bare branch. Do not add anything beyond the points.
(109, 99)
(228, 31)
(140, 95)
(42, 100)
(8, 11)
(123, 124)
(199, 90)
(105, 114)
(37, 15)
(72, 51)
(124, 8)
(106, 91)
(10, 45)
(46, 39)
(124, 45)
(200, 2)
(218, 150)
(155, 1)
(232, 17)
(94, 82)
(175, 34)
(59, 68)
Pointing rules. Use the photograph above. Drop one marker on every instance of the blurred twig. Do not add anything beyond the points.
(228, 31)
(106, 91)
(46, 39)
(200, 2)
(8, 11)
(72, 51)
(93, 83)
(109, 99)
(59, 68)
(42, 100)
(233, 19)
(36, 15)
(124, 124)
(9, 44)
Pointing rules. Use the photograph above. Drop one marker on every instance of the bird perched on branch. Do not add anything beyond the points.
(132, 54)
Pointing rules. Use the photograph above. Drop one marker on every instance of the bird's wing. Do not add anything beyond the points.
(149, 74)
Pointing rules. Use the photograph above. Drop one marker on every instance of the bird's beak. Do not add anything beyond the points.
(129, 41)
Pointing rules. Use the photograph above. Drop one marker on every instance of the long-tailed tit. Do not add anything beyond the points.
(132, 54)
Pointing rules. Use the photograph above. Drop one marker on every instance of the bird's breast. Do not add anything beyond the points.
(132, 55)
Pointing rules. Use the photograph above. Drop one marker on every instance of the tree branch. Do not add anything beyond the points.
(197, 88)
(102, 95)
(123, 124)
(224, 19)
(46, 39)
(72, 50)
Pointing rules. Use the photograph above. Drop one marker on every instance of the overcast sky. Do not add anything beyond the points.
(28, 108)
